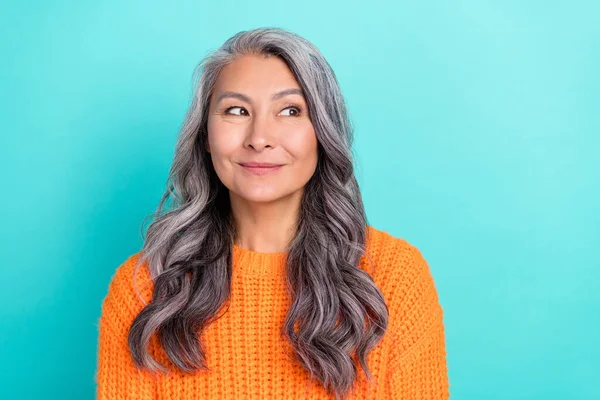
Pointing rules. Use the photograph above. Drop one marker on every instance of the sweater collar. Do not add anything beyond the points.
(254, 262)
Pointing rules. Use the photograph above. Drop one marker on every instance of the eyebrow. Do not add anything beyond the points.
(243, 97)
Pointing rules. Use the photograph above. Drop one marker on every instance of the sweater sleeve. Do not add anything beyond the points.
(116, 375)
(417, 368)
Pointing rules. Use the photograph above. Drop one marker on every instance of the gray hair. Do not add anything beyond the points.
(339, 310)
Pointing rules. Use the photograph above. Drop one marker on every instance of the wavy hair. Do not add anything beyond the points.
(337, 312)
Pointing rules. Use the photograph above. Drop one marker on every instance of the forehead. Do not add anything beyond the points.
(256, 73)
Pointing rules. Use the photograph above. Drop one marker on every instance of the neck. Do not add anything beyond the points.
(265, 227)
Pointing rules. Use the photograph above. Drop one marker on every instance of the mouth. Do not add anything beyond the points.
(260, 168)
(259, 164)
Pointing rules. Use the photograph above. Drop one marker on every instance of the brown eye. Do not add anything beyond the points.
(295, 109)
(243, 111)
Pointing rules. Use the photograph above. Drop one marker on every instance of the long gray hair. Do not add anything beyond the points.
(339, 310)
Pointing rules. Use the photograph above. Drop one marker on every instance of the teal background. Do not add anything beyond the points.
(477, 140)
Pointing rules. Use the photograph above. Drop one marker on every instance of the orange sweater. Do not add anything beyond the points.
(244, 349)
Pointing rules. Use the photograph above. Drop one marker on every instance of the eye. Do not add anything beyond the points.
(243, 112)
(232, 107)
(295, 109)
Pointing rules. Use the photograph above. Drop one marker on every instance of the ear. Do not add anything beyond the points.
(207, 147)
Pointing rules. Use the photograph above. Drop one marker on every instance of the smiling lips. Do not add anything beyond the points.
(260, 168)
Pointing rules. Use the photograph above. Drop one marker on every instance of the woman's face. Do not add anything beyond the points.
(251, 120)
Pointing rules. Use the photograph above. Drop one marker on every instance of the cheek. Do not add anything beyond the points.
(220, 140)
(210, 128)
(303, 144)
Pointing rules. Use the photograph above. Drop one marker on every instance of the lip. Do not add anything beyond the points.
(259, 165)
(260, 168)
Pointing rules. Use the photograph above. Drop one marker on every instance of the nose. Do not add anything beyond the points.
(260, 132)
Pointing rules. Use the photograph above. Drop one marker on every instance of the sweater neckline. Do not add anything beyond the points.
(256, 262)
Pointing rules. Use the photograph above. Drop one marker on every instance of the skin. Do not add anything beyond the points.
(264, 207)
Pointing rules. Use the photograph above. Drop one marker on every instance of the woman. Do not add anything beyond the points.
(261, 277)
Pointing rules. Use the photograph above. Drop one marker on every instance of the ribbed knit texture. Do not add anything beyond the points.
(248, 358)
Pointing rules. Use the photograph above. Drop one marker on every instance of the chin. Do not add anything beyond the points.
(260, 195)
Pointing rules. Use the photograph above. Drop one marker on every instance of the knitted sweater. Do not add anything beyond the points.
(245, 352)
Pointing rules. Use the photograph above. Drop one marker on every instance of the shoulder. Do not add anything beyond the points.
(130, 285)
(404, 277)
(394, 258)
(402, 273)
